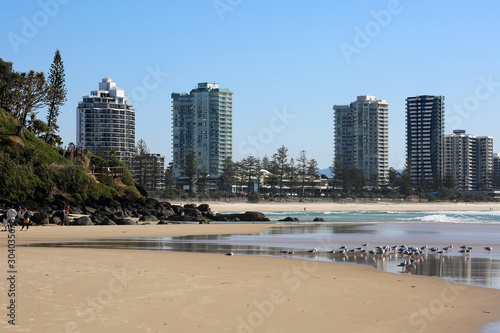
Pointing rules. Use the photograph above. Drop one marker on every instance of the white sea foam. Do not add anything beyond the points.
(443, 218)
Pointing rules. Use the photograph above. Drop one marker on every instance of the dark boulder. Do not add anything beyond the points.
(107, 221)
(178, 210)
(247, 216)
(204, 208)
(76, 210)
(39, 217)
(89, 210)
(289, 219)
(204, 221)
(149, 218)
(193, 212)
(126, 222)
(319, 219)
(84, 220)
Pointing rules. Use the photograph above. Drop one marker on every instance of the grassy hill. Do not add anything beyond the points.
(30, 168)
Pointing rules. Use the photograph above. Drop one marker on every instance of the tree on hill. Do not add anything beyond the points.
(56, 95)
(7, 79)
(30, 95)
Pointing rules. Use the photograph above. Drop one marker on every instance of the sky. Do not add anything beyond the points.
(287, 63)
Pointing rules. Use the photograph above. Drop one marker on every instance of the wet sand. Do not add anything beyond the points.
(92, 290)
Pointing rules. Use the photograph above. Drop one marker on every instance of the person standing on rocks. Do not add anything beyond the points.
(26, 221)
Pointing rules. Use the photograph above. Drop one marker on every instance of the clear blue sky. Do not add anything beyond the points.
(288, 59)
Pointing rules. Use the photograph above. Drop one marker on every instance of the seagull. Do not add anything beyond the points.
(313, 251)
(285, 252)
(332, 251)
(230, 254)
(488, 248)
(365, 245)
(291, 253)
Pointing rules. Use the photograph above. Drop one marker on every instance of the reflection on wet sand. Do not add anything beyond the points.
(475, 270)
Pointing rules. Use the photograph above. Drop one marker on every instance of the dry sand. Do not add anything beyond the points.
(90, 290)
(221, 206)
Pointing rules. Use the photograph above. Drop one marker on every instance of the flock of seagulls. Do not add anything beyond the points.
(410, 254)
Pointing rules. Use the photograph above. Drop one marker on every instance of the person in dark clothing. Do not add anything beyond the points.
(26, 221)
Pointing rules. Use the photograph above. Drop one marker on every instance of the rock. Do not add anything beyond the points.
(204, 221)
(97, 218)
(183, 218)
(178, 210)
(289, 219)
(165, 212)
(89, 210)
(187, 206)
(319, 219)
(107, 221)
(55, 220)
(75, 210)
(247, 216)
(126, 222)
(150, 218)
(204, 208)
(193, 212)
(120, 214)
(84, 220)
(39, 217)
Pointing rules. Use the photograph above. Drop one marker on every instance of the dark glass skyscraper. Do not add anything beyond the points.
(424, 136)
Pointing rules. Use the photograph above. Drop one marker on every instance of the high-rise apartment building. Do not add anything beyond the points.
(469, 159)
(496, 164)
(106, 121)
(424, 136)
(362, 137)
(202, 122)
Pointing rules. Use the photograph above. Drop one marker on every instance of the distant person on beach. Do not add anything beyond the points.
(26, 221)
(11, 217)
(109, 169)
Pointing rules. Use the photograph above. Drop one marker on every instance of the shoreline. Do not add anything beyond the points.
(168, 291)
(229, 207)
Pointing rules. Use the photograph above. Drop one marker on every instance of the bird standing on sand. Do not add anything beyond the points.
(488, 248)
(230, 254)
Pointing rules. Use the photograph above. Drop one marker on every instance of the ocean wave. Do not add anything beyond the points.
(443, 218)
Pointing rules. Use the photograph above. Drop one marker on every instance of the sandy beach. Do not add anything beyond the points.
(91, 290)
(220, 206)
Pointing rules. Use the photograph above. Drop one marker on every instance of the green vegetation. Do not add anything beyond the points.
(29, 168)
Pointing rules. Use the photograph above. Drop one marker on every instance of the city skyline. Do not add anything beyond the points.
(286, 72)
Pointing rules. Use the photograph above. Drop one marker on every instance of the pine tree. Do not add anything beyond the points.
(190, 171)
(281, 159)
(56, 95)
